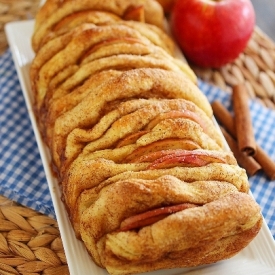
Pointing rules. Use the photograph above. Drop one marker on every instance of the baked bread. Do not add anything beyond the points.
(203, 230)
(145, 177)
(53, 11)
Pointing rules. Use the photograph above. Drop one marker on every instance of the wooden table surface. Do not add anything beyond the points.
(265, 16)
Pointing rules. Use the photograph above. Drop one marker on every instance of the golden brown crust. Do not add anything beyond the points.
(55, 10)
(135, 115)
(71, 53)
(139, 195)
(81, 189)
(86, 16)
(85, 48)
(209, 253)
(199, 228)
(156, 35)
(142, 83)
(190, 128)
(144, 175)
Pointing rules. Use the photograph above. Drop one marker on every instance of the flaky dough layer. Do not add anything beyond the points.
(192, 237)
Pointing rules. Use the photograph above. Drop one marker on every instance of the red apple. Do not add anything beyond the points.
(212, 33)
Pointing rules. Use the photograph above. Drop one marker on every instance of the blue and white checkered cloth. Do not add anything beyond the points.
(21, 172)
(22, 175)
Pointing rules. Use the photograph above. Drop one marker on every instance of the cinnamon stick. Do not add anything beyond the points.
(226, 119)
(247, 162)
(242, 121)
(266, 162)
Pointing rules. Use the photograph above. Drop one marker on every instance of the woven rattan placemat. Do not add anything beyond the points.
(14, 10)
(30, 242)
(255, 67)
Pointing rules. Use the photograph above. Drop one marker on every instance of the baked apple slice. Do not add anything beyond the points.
(152, 216)
(161, 145)
(186, 158)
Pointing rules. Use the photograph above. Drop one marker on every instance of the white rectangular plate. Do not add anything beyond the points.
(257, 258)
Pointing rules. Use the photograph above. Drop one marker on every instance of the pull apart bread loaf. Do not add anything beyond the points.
(144, 174)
